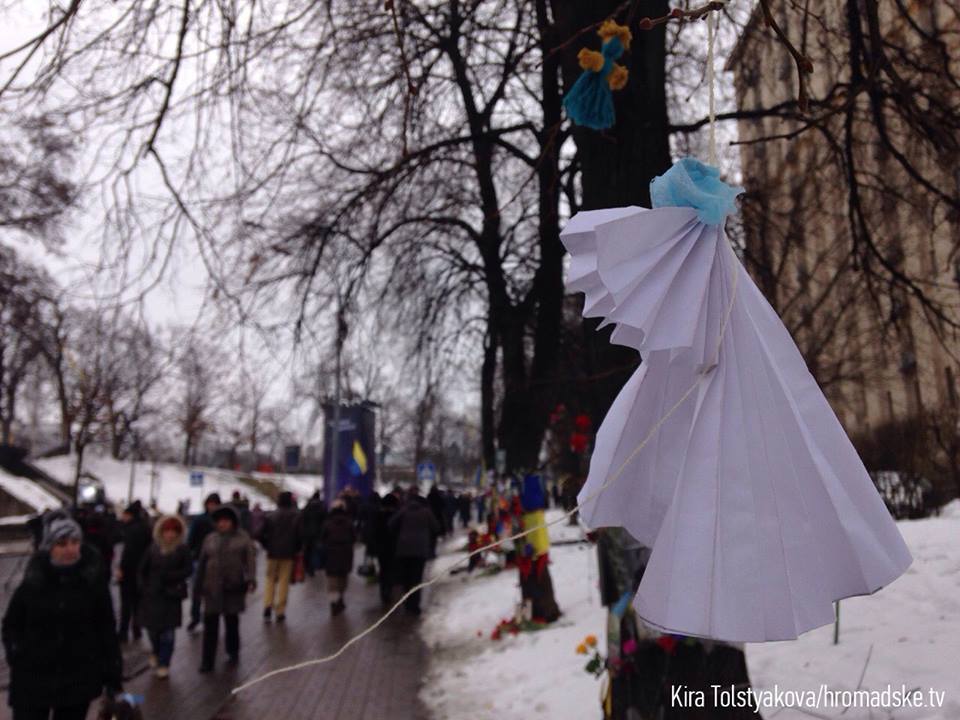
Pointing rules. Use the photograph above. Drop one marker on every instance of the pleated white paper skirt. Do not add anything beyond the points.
(756, 506)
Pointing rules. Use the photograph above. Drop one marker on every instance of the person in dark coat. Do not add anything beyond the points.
(338, 537)
(241, 504)
(416, 528)
(257, 518)
(464, 505)
(385, 546)
(436, 504)
(228, 571)
(201, 526)
(136, 537)
(368, 514)
(280, 537)
(99, 527)
(311, 525)
(449, 511)
(163, 574)
(59, 630)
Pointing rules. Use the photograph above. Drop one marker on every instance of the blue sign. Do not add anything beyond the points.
(426, 472)
(355, 439)
(196, 478)
(291, 457)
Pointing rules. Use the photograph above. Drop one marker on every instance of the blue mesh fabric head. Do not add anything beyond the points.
(691, 183)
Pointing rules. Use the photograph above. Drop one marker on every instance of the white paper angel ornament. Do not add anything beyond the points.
(756, 506)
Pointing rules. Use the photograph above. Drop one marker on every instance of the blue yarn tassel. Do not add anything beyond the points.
(590, 101)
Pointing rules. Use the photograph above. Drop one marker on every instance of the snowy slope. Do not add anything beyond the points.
(172, 481)
(910, 631)
(28, 492)
(302, 486)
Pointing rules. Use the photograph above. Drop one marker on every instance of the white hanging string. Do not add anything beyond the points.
(712, 90)
(610, 481)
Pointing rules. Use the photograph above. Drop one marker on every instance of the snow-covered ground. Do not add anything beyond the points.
(910, 631)
(28, 492)
(172, 483)
(530, 675)
(905, 636)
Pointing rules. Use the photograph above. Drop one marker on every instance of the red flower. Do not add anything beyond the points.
(578, 442)
(668, 643)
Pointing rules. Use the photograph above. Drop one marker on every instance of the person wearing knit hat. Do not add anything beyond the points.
(59, 629)
(227, 572)
(59, 533)
(201, 526)
(163, 575)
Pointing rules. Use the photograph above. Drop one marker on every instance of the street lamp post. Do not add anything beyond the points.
(335, 430)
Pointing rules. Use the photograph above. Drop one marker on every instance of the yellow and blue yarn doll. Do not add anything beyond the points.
(590, 101)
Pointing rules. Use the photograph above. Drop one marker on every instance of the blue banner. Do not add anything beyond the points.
(356, 450)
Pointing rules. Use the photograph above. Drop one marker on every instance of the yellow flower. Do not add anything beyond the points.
(581, 649)
(610, 29)
(590, 59)
(591, 640)
(617, 79)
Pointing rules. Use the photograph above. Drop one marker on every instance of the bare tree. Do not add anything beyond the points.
(140, 365)
(198, 382)
(89, 362)
(23, 288)
(36, 154)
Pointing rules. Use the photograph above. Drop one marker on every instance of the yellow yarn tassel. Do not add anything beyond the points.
(617, 79)
(610, 29)
(590, 60)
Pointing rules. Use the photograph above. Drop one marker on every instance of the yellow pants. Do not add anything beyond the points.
(278, 574)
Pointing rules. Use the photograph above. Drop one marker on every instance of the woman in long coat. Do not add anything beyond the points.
(338, 537)
(228, 567)
(59, 631)
(163, 578)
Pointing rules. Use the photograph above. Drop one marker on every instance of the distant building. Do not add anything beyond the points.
(873, 349)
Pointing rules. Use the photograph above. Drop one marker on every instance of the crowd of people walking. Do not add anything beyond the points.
(61, 634)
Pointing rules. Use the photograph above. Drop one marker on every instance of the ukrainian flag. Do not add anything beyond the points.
(358, 463)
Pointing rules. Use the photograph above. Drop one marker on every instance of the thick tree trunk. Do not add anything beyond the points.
(529, 387)
(616, 169)
(10, 411)
(488, 373)
(66, 421)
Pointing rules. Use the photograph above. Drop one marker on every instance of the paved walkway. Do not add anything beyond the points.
(377, 678)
